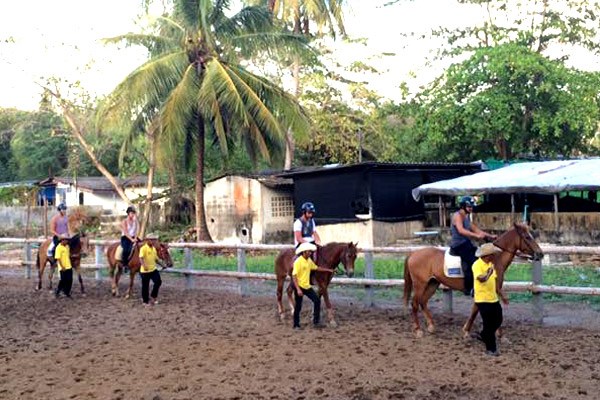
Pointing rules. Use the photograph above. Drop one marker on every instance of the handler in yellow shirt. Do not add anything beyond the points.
(486, 295)
(63, 260)
(301, 282)
(148, 271)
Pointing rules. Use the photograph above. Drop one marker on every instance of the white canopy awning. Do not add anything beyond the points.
(532, 177)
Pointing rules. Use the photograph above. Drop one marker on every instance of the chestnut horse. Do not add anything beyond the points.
(78, 245)
(424, 271)
(328, 256)
(164, 261)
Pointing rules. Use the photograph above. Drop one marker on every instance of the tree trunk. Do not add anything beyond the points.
(77, 131)
(290, 143)
(150, 183)
(202, 233)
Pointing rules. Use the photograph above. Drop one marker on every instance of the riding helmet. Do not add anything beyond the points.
(467, 201)
(62, 207)
(308, 207)
(130, 209)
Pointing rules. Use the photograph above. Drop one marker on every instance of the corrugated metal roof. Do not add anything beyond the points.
(531, 177)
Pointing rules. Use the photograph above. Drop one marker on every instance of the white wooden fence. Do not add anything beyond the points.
(535, 286)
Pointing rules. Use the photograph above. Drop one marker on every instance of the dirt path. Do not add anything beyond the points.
(213, 344)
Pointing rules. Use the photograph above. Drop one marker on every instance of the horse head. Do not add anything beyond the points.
(519, 239)
(164, 255)
(347, 258)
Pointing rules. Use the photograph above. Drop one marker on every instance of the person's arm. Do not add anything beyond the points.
(298, 236)
(458, 221)
(53, 226)
(317, 237)
(481, 233)
(485, 276)
(322, 269)
(126, 231)
(298, 290)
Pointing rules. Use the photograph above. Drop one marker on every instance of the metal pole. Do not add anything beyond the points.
(189, 279)
(241, 267)
(27, 249)
(448, 304)
(98, 261)
(537, 300)
(441, 218)
(512, 208)
(369, 274)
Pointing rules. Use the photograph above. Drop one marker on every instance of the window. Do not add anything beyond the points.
(282, 206)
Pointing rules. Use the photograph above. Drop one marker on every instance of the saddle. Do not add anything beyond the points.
(119, 253)
(452, 266)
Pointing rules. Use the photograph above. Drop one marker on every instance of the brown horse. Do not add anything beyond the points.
(424, 271)
(115, 267)
(79, 246)
(328, 256)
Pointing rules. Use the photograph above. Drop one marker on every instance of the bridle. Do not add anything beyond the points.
(521, 241)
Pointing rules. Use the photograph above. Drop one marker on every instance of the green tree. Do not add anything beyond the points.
(10, 118)
(198, 91)
(300, 16)
(509, 100)
(38, 146)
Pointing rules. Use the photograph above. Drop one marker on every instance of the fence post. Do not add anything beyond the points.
(241, 267)
(98, 261)
(27, 260)
(369, 274)
(538, 303)
(187, 256)
(448, 306)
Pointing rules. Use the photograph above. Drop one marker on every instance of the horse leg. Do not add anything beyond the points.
(114, 273)
(41, 268)
(280, 309)
(78, 269)
(290, 295)
(131, 278)
(469, 324)
(51, 274)
(416, 300)
(330, 312)
(429, 291)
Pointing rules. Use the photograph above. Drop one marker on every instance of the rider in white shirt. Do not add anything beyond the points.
(305, 229)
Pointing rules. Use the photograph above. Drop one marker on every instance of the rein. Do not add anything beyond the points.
(514, 252)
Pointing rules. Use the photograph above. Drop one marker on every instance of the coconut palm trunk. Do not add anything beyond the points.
(202, 233)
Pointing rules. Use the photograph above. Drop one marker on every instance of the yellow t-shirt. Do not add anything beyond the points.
(63, 257)
(485, 292)
(149, 256)
(302, 268)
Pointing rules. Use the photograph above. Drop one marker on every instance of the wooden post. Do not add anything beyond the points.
(189, 279)
(369, 274)
(538, 305)
(556, 211)
(448, 304)
(98, 261)
(27, 250)
(241, 267)
(45, 217)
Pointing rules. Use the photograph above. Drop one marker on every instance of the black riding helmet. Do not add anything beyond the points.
(62, 207)
(308, 207)
(467, 201)
(130, 209)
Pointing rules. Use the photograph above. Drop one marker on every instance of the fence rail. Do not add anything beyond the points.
(369, 282)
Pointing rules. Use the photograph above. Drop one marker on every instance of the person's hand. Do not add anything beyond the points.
(300, 293)
(481, 235)
(491, 237)
(504, 299)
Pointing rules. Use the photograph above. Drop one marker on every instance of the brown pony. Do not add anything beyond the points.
(79, 246)
(424, 271)
(328, 256)
(164, 261)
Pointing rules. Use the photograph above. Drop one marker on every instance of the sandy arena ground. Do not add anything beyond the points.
(208, 343)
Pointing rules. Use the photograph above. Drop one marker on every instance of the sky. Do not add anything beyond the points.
(62, 38)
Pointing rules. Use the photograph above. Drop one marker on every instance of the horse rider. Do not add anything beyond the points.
(148, 271)
(129, 231)
(63, 260)
(301, 282)
(305, 229)
(462, 231)
(59, 225)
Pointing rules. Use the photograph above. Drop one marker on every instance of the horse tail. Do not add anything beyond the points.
(407, 281)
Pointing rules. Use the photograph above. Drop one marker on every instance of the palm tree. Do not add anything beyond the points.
(195, 87)
(327, 16)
